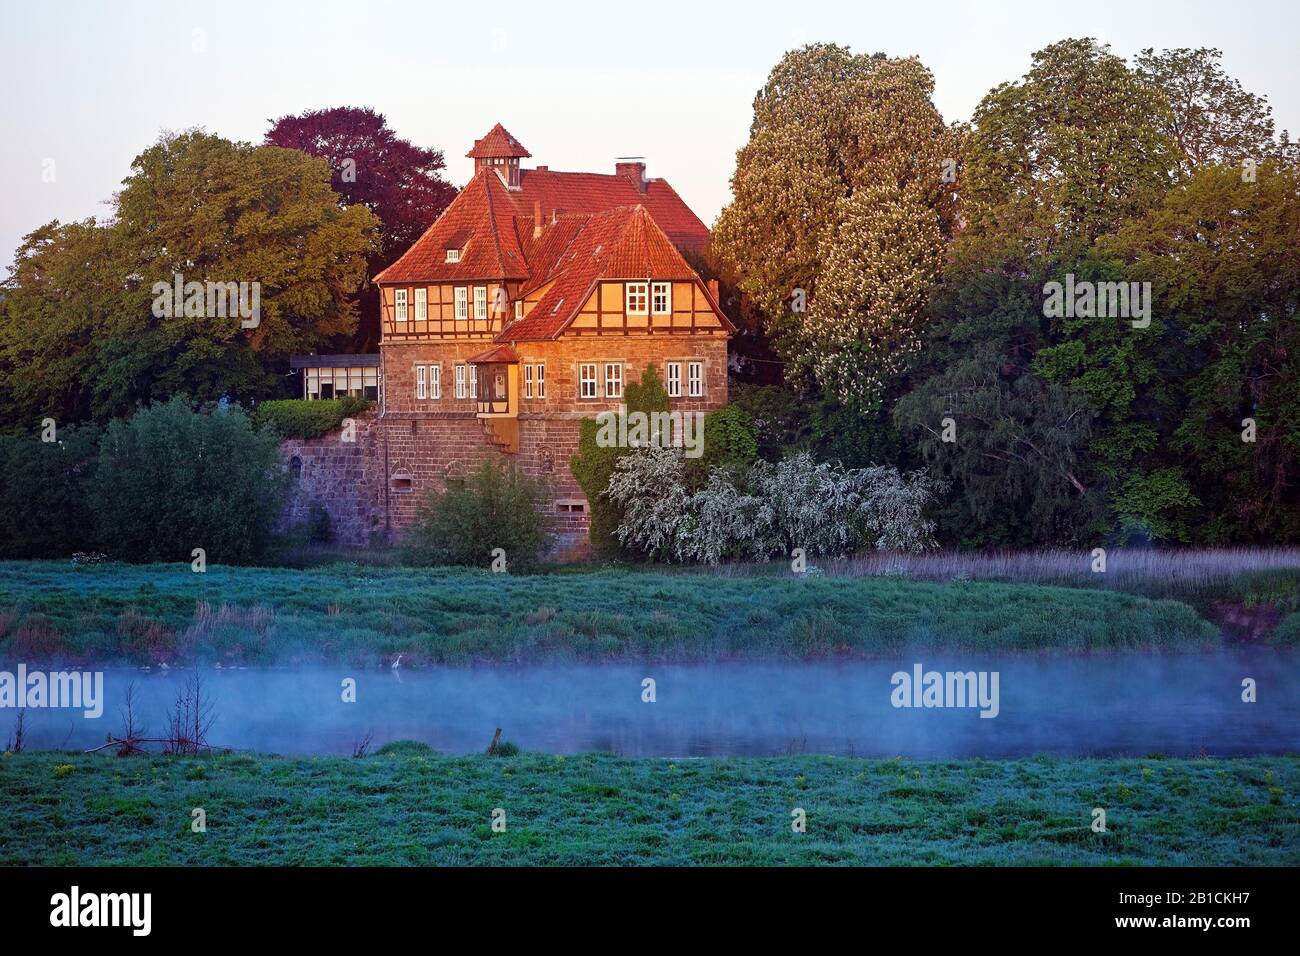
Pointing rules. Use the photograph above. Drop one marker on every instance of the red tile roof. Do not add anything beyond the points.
(497, 144)
(593, 227)
(596, 192)
(480, 223)
(498, 353)
(623, 243)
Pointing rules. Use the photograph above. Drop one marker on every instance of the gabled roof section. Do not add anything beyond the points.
(597, 192)
(622, 243)
(479, 221)
(495, 355)
(544, 252)
(497, 144)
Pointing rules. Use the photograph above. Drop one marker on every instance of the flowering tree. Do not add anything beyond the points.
(843, 198)
(769, 510)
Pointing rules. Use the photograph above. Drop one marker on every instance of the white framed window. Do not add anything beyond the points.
(587, 380)
(694, 379)
(420, 390)
(541, 380)
(613, 380)
(453, 255)
(461, 296)
(674, 373)
(473, 381)
(421, 304)
(528, 381)
(661, 298)
(435, 381)
(480, 302)
(399, 304)
(636, 298)
(460, 381)
(519, 308)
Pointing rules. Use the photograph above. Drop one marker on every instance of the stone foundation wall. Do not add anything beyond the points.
(344, 477)
(372, 487)
(370, 503)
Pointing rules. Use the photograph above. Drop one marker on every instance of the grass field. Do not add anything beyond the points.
(153, 613)
(406, 805)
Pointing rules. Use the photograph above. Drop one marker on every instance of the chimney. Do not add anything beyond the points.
(537, 218)
(631, 168)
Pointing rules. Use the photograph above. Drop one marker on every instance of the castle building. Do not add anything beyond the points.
(530, 304)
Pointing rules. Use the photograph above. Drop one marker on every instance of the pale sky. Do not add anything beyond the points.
(90, 85)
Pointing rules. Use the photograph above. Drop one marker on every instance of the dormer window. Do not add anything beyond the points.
(453, 255)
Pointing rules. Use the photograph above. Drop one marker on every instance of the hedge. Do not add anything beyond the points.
(299, 418)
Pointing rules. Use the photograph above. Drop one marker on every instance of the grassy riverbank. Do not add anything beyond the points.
(406, 805)
(54, 611)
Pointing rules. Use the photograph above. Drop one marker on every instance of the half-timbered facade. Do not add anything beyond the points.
(531, 303)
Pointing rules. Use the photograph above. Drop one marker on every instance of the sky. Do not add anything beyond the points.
(88, 85)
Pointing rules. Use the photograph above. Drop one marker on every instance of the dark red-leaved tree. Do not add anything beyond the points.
(399, 182)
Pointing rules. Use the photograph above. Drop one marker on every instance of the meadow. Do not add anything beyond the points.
(406, 805)
(165, 613)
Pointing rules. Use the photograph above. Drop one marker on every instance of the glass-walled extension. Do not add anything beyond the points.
(333, 376)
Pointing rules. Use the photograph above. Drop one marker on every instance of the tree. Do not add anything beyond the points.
(1068, 152)
(43, 508)
(370, 166)
(1012, 443)
(593, 465)
(171, 479)
(878, 268)
(843, 198)
(1129, 376)
(1223, 257)
(1211, 117)
(83, 334)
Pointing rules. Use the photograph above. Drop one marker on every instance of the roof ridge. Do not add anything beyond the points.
(492, 219)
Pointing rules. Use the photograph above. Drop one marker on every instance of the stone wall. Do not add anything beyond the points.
(344, 477)
(378, 481)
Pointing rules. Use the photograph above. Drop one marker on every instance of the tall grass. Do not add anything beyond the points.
(166, 613)
(1199, 577)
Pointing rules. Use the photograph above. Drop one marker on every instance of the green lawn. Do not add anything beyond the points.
(151, 613)
(407, 805)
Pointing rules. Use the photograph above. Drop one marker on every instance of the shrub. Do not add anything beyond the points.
(171, 479)
(771, 509)
(1287, 633)
(593, 465)
(299, 418)
(493, 508)
(728, 439)
(43, 508)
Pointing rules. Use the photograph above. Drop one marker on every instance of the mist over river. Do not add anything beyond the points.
(1113, 704)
